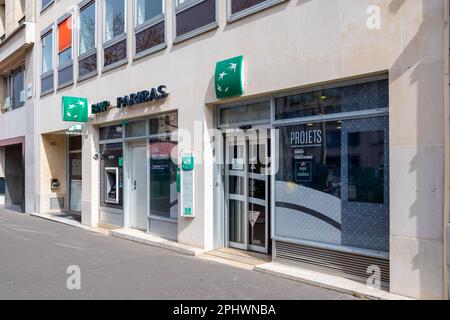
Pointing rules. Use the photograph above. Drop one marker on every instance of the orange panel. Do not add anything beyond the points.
(65, 34)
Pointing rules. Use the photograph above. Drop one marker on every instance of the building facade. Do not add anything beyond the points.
(313, 132)
(17, 174)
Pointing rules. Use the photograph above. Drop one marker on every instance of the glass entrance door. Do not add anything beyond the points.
(247, 191)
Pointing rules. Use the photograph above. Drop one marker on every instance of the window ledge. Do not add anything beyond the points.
(3, 112)
(46, 93)
(115, 65)
(246, 12)
(65, 85)
(149, 51)
(196, 32)
(87, 76)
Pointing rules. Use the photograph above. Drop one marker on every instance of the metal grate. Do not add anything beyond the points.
(346, 265)
(57, 203)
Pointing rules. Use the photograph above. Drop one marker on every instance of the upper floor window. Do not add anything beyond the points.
(240, 8)
(14, 89)
(21, 11)
(2, 21)
(150, 28)
(46, 3)
(65, 59)
(193, 17)
(87, 55)
(147, 10)
(47, 61)
(65, 41)
(115, 46)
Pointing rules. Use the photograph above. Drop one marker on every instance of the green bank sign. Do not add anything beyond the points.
(74, 109)
(229, 77)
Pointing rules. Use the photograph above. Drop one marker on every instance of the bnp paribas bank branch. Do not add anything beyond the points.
(314, 134)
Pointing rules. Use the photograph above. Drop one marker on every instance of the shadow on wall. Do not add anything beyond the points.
(54, 166)
(14, 197)
(417, 63)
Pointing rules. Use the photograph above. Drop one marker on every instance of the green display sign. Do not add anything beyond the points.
(187, 163)
(229, 77)
(74, 109)
(188, 211)
(120, 162)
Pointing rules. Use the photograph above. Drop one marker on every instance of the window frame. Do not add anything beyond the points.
(146, 25)
(81, 6)
(177, 9)
(51, 72)
(69, 64)
(246, 12)
(115, 40)
(45, 7)
(9, 79)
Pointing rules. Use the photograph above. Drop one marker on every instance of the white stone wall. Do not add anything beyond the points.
(291, 45)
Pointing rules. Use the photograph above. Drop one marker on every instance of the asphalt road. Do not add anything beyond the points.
(35, 255)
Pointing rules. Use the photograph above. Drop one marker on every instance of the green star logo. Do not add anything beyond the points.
(229, 77)
(74, 109)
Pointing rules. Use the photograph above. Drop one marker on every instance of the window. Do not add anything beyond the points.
(333, 100)
(150, 28)
(366, 166)
(135, 129)
(47, 61)
(193, 17)
(111, 132)
(87, 55)
(332, 183)
(13, 89)
(147, 10)
(245, 113)
(45, 4)
(163, 166)
(65, 62)
(65, 42)
(21, 11)
(240, 8)
(2, 21)
(115, 46)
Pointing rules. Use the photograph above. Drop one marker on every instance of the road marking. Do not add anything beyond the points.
(23, 238)
(68, 246)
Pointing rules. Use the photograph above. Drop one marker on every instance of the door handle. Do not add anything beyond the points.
(134, 184)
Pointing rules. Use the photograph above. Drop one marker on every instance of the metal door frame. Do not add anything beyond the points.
(128, 184)
(232, 140)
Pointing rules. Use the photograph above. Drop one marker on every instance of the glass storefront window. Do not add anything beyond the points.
(111, 132)
(310, 156)
(333, 183)
(135, 129)
(163, 178)
(254, 112)
(366, 96)
(366, 166)
(111, 174)
(165, 123)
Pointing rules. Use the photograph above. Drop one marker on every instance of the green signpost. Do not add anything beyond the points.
(74, 109)
(229, 77)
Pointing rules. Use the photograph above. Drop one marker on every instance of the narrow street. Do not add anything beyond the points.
(35, 254)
